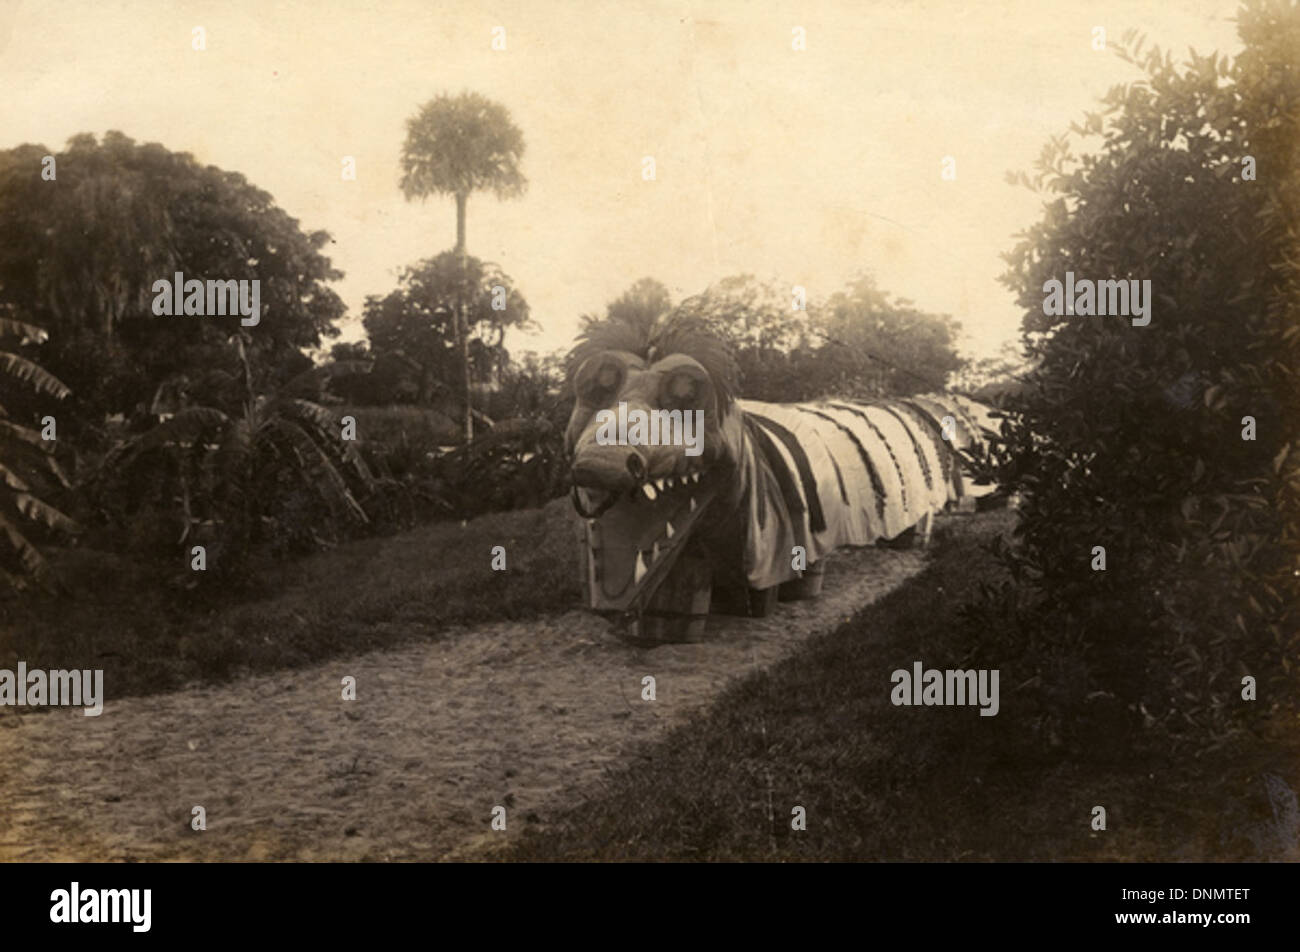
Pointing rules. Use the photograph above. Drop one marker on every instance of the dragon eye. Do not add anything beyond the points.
(599, 380)
(685, 389)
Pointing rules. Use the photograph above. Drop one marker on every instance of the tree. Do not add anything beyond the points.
(771, 341)
(992, 379)
(1131, 437)
(860, 343)
(531, 386)
(350, 350)
(418, 323)
(639, 307)
(874, 345)
(80, 255)
(26, 462)
(457, 145)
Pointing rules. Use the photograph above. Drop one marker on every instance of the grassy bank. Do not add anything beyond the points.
(363, 595)
(880, 782)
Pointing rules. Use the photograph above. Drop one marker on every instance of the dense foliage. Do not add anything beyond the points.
(29, 469)
(236, 471)
(413, 327)
(860, 342)
(1136, 439)
(79, 255)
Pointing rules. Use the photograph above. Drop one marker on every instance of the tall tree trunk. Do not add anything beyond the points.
(462, 317)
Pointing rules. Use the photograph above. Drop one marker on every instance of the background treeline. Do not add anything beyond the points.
(171, 432)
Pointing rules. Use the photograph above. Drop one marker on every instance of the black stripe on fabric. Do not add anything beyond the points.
(839, 477)
(877, 485)
(776, 466)
(816, 518)
(956, 410)
(902, 480)
(920, 453)
(947, 452)
(758, 486)
(976, 428)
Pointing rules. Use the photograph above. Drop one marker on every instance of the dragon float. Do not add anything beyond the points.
(769, 491)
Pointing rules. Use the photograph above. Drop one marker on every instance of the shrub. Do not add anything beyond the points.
(1130, 437)
(246, 475)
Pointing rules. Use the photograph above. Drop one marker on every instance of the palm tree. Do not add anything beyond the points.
(456, 145)
(24, 458)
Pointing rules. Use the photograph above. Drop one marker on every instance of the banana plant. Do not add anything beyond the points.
(26, 463)
(246, 464)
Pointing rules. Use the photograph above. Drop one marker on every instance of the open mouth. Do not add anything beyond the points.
(635, 536)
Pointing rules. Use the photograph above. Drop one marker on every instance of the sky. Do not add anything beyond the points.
(800, 166)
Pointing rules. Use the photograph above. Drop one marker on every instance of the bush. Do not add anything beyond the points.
(247, 476)
(518, 464)
(1131, 438)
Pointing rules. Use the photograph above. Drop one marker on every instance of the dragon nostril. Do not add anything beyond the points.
(636, 466)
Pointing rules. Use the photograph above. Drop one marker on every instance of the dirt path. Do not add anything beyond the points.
(524, 715)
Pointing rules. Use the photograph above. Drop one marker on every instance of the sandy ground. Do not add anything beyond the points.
(523, 715)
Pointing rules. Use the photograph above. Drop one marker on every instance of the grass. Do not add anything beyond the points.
(364, 595)
(880, 782)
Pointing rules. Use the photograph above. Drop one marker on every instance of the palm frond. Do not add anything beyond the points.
(51, 464)
(30, 333)
(20, 495)
(16, 582)
(25, 434)
(31, 373)
(186, 426)
(13, 480)
(325, 477)
(32, 561)
(44, 513)
(235, 450)
(327, 424)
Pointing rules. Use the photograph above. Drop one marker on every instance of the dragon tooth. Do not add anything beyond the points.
(639, 572)
(668, 529)
(649, 492)
(659, 484)
(695, 477)
(654, 552)
(692, 504)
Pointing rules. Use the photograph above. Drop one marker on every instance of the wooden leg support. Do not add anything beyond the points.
(810, 586)
(679, 610)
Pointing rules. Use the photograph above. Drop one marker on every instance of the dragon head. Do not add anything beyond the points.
(652, 438)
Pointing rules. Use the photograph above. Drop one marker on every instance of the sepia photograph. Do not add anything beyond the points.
(662, 431)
